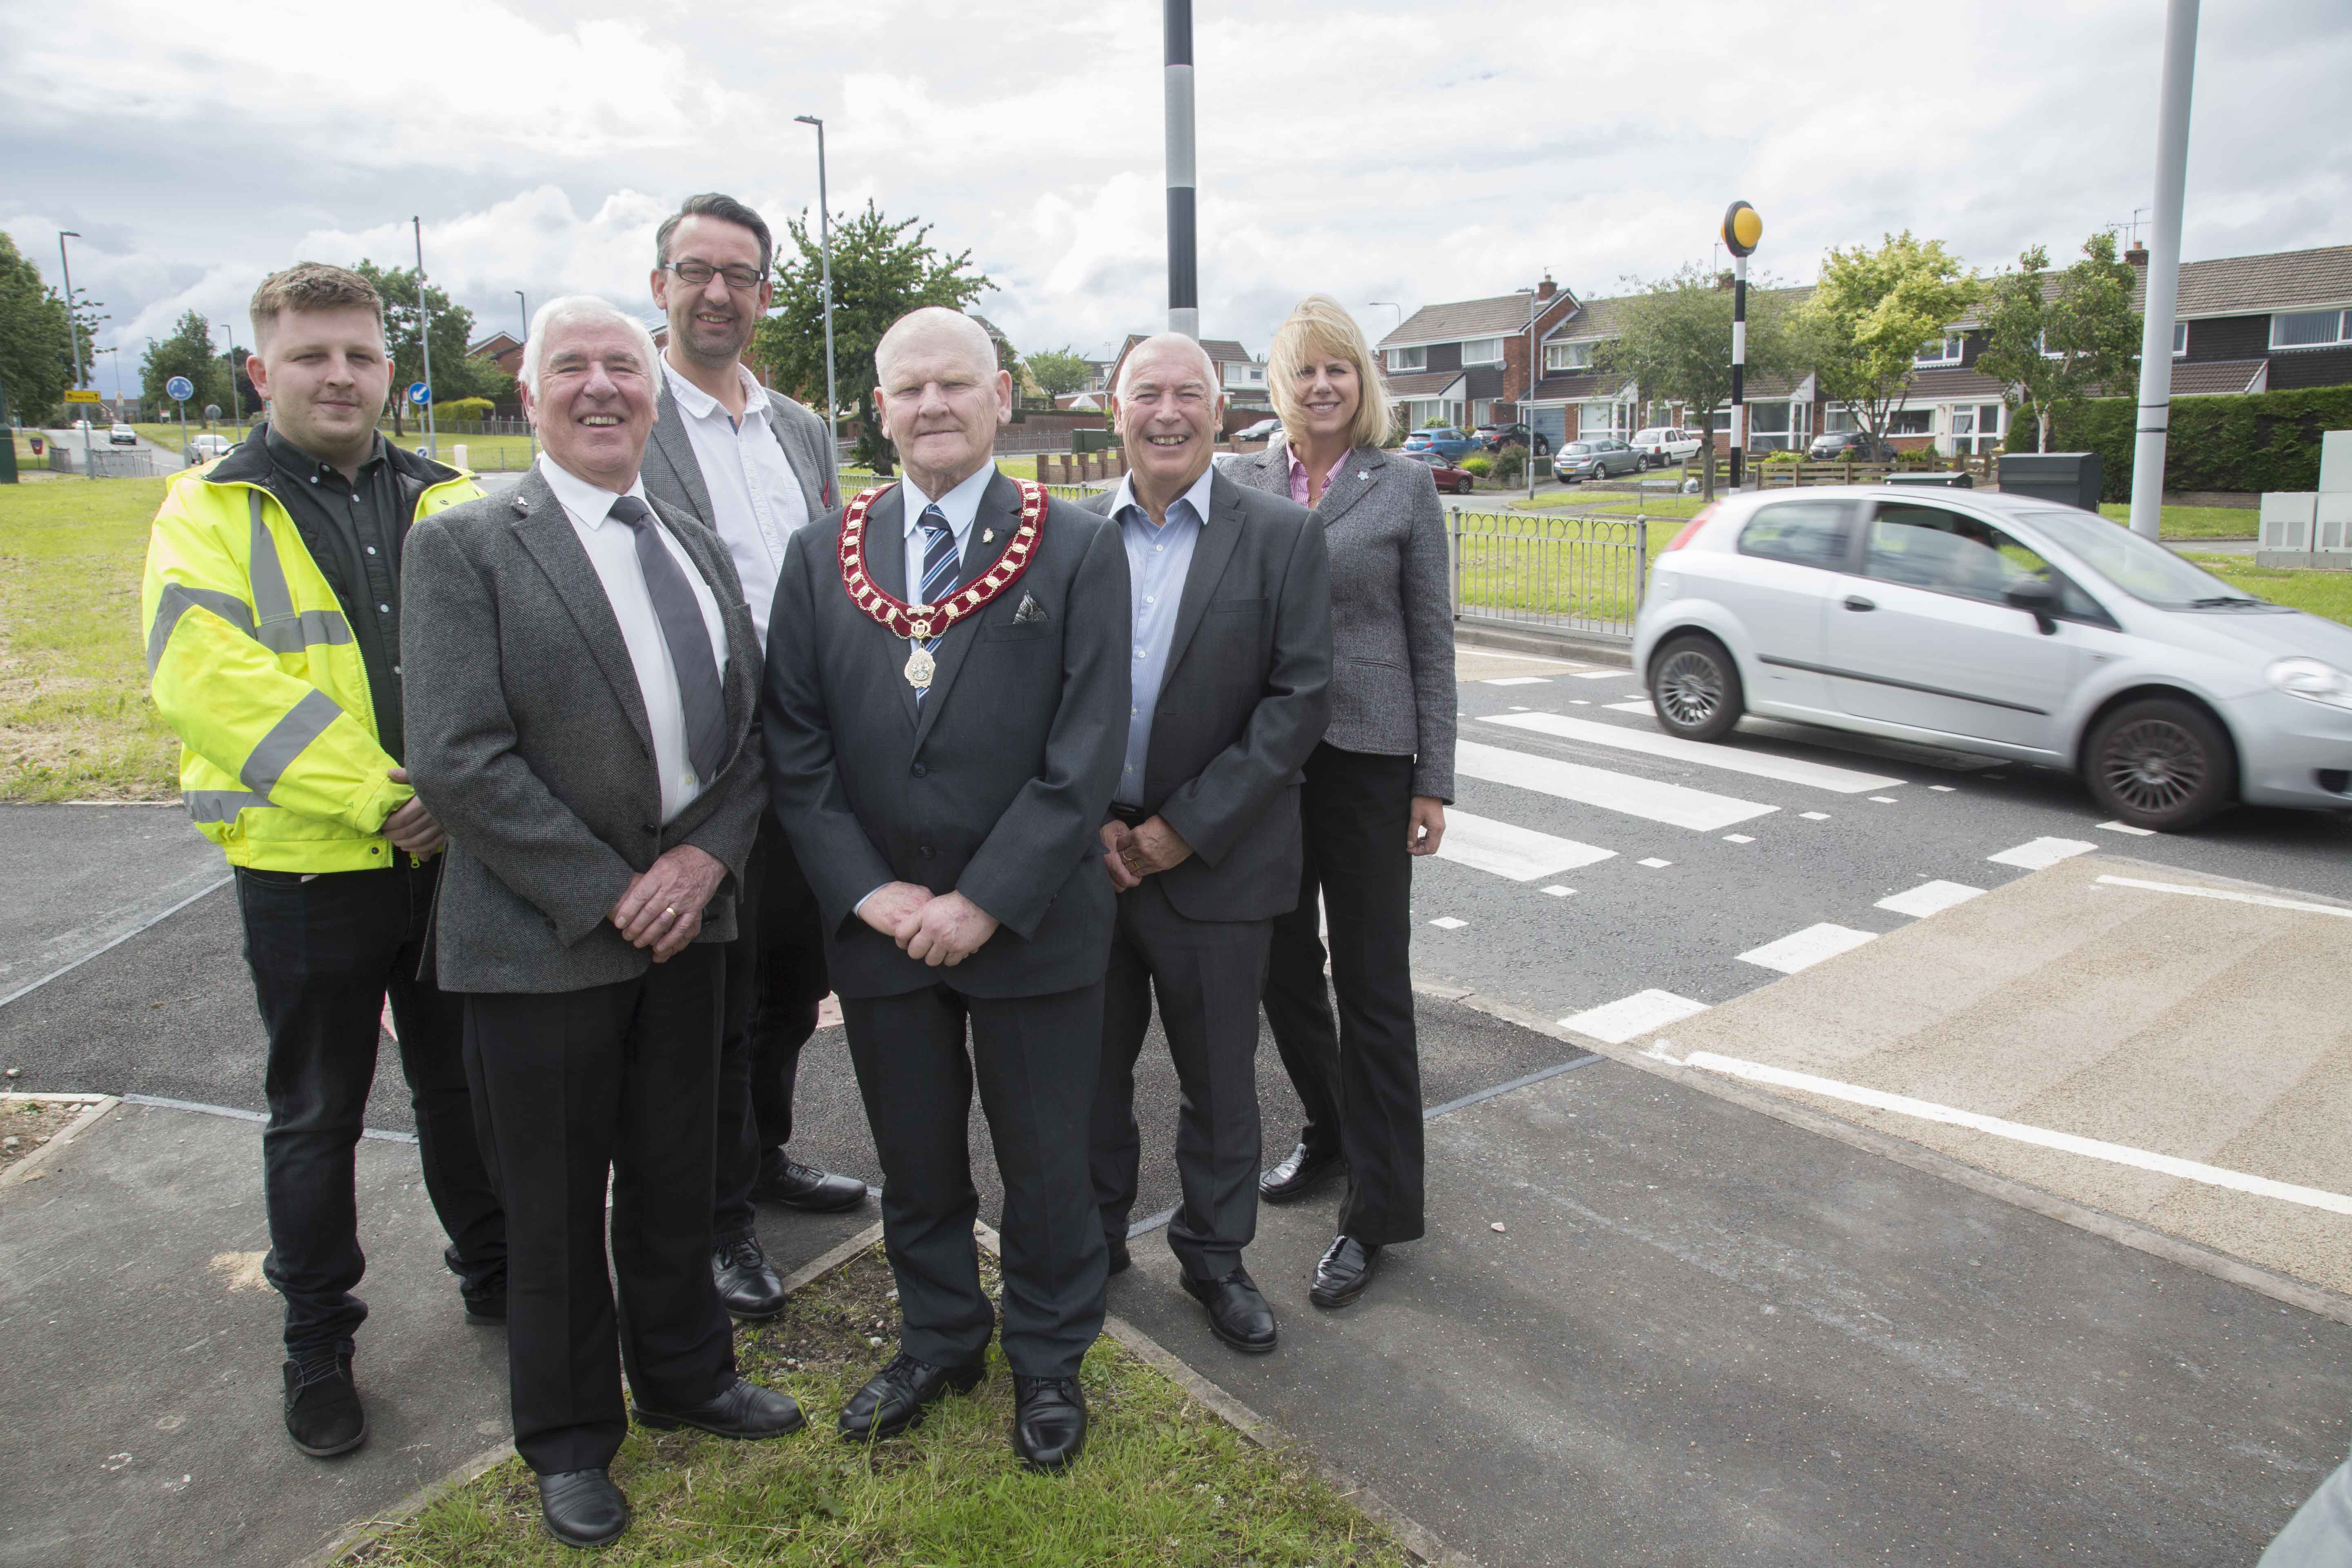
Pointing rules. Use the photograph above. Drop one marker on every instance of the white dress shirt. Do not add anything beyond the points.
(613, 550)
(756, 499)
(960, 504)
(1158, 560)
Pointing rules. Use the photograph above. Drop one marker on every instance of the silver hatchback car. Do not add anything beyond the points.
(2001, 626)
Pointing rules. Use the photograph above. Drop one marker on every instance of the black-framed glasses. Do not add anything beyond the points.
(697, 274)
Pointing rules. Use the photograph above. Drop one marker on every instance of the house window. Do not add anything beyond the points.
(1409, 359)
(2180, 339)
(1945, 351)
(2310, 329)
(1911, 422)
(1560, 358)
(1976, 430)
(1769, 427)
(1839, 419)
(1482, 351)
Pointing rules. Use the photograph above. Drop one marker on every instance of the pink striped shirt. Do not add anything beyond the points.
(1298, 474)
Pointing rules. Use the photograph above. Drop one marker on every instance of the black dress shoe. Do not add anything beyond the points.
(1120, 1261)
(1344, 1272)
(746, 1411)
(582, 1508)
(747, 1287)
(897, 1398)
(1237, 1311)
(323, 1415)
(786, 1181)
(1298, 1175)
(1049, 1421)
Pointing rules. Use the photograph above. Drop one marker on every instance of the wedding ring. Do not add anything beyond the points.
(670, 909)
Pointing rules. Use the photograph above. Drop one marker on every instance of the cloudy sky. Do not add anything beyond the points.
(1442, 150)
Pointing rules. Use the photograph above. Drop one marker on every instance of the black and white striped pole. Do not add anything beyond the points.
(1184, 266)
(1741, 229)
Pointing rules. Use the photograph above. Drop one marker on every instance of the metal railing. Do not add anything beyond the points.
(1583, 574)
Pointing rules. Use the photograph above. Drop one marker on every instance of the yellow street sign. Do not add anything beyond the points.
(82, 395)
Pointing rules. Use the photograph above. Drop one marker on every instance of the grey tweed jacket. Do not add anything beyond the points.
(1391, 609)
(528, 739)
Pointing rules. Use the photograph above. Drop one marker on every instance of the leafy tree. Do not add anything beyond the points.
(34, 367)
(1059, 372)
(1872, 313)
(2054, 339)
(188, 351)
(881, 271)
(455, 374)
(1675, 342)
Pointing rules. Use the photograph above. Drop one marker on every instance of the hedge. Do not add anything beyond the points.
(2269, 441)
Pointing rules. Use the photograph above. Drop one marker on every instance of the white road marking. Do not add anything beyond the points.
(1521, 854)
(1814, 816)
(2265, 899)
(1604, 675)
(1738, 839)
(2091, 1148)
(1628, 1016)
(1930, 899)
(2127, 827)
(2043, 853)
(1883, 799)
(1557, 891)
(1447, 922)
(1655, 864)
(1762, 765)
(1944, 789)
(1647, 799)
(1638, 705)
(1581, 703)
(1519, 708)
(1802, 950)
(1517, 680)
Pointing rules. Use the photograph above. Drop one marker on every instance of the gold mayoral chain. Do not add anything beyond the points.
(919, 624)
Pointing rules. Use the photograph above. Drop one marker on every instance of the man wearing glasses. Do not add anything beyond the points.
(752, 466)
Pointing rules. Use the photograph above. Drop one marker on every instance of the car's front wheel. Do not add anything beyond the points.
(2160, 763)
(1694, 688)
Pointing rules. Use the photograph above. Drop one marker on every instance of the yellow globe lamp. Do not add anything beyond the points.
(1743, 226)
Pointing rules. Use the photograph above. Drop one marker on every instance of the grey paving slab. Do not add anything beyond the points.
(75, 878)
(1706, 1337)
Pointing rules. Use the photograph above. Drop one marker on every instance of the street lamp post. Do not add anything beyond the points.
(825, 259)
(1742, 227)
(425, 338)
(235, 398)
(1183, 245)
(523, 311)
(2163, 269)
(1526, 414)
(73, 333)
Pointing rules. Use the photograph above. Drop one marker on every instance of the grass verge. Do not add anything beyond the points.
(2327, 593)
(75, 719)
(2195, 521)
(1163, 1480)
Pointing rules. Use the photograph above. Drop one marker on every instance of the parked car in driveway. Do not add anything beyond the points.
(1264, 430)
(1450, 480)
(1849, 446)
(1663, 444)
(1494, 438)
(1443, 440)
(121, 435)
(2004, 626)
(1596, 459)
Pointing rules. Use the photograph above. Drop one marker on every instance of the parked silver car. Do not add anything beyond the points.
(2005, 626)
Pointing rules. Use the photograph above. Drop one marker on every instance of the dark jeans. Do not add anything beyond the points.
(1206, 975)
(1033, 1058)
(325, 952)
(776, 979)
(1360, 1083)
(571, 1085)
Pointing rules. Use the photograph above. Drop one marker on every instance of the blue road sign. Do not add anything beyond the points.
(419, 393)
(178, 389)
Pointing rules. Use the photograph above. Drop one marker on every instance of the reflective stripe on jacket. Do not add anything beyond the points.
(252, 664)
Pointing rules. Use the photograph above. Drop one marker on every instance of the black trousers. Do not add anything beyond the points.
(326, 951)
(1206, 974)
(624, 1079)
(776, 979)
(1033, 1058)
(1359, 1082)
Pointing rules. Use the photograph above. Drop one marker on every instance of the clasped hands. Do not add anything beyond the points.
(938, 927)
(1131, 854)
(661, 905)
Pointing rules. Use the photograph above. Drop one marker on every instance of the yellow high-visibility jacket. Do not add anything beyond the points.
(253, 664)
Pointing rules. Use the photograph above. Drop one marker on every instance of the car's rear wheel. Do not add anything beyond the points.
(1694, 688)
(2160, 763)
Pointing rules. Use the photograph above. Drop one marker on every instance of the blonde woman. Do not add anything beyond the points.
(1375, 794)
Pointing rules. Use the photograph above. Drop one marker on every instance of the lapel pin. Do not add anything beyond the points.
(1363, 473)
(987, 536)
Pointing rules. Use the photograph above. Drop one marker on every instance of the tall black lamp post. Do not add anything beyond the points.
(1742, 227)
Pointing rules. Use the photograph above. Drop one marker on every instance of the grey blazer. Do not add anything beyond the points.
(995, 787)
(673, 477)
(528, 740)
(1392, 608)
(1244, 697)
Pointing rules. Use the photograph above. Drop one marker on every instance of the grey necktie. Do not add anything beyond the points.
(698, 691)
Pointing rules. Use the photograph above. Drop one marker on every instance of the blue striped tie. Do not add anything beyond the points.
(940, 568)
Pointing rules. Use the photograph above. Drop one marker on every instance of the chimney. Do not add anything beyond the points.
(2137, 256)
(1547, 288)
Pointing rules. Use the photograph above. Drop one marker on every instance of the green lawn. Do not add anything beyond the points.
(2327, 593)
(1163, 1480)
(2195, 521)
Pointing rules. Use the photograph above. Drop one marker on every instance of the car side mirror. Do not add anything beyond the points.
(2037, 597)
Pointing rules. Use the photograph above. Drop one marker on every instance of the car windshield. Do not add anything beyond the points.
(2140, 567)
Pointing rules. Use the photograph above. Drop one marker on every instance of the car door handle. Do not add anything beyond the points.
(1856, 602)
